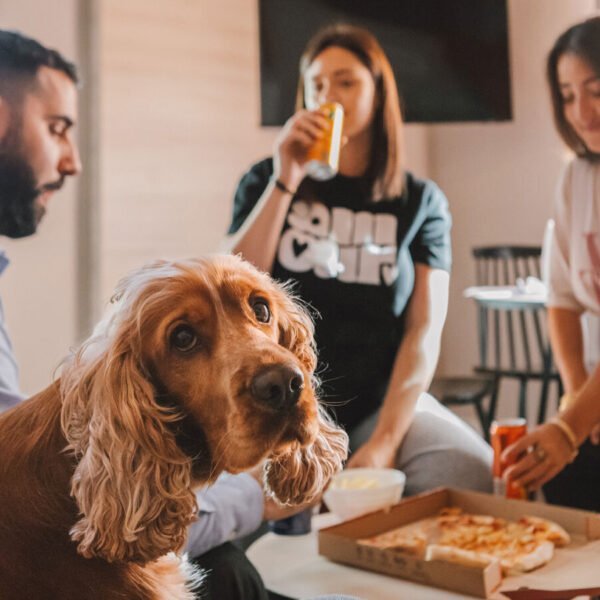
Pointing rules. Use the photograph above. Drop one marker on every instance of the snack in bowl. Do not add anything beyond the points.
(477, 540)
(355, 492)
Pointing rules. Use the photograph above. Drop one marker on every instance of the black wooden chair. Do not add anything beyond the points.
(513, 335)
(513, 341)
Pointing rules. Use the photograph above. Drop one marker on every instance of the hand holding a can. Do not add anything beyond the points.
(537, 457)
(310, 144)
(290, 153)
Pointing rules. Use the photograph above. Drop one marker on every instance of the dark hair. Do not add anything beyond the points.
(20, 59)
(386, 166)
(583, 40)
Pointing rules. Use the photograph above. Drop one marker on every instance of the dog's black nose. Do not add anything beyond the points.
(278, 385)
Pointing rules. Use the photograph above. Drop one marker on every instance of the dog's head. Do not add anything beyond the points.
(199, 366)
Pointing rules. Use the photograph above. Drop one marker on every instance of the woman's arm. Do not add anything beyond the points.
(557, 447)
(567, 346)
(257, 239)
(584, 412)
(413, 369)
(554, 446)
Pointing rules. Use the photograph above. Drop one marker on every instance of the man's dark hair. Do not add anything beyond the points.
(20, 59)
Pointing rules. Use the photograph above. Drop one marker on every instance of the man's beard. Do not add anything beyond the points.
(19, 212)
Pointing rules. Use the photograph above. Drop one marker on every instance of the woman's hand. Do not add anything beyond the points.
(298, 134)
(375, 453)
(539, 456)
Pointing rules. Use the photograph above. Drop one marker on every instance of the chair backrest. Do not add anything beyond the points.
(503, 265)
(511, 341)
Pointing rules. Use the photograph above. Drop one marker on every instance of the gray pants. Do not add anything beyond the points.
(439, 449)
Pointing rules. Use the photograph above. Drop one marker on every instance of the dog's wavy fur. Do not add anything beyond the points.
(97, 471)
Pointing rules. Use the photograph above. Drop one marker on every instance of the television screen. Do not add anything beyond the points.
(450, 58)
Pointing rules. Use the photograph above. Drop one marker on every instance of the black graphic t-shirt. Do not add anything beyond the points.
(353, 261)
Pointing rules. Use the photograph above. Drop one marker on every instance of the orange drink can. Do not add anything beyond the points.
(324, 156)
(504, 433)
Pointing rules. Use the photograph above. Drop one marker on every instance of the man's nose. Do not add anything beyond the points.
(70, 161)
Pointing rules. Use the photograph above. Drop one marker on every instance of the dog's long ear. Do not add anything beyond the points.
(300, 474)
(131, 482)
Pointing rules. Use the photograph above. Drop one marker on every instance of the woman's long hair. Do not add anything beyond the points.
(386, 167)
(582, 40)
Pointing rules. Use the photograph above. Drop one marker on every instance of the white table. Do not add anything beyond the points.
(291, 565)
(506, 297)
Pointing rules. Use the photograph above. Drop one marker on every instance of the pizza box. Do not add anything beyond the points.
(339, 542)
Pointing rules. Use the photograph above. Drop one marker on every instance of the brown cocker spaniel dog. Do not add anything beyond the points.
(200, 366)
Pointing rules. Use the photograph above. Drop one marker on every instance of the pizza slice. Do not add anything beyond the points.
(477, 540)
(543, 529)
(512, 561)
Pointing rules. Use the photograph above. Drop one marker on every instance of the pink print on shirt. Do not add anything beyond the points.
(591, 278)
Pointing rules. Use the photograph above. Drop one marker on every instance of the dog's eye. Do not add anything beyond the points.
(261, 310)
(184, 338)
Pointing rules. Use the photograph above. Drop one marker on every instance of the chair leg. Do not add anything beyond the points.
(482, 419)
(543, 400)
(561, 391)
(492, 407)
(523, 399)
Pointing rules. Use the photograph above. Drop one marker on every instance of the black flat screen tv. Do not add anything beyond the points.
(450, 57)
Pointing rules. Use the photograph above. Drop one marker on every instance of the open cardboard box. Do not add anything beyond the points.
(339, 542)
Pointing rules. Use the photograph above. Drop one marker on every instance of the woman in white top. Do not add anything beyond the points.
(564, 453)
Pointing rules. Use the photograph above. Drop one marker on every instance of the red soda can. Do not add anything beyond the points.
(504, 433)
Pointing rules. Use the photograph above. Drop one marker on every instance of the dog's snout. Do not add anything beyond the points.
(278, 385)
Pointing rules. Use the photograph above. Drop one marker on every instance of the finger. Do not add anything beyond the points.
(528, 462)
(352, 462)
(301, 138)
(520, 447)
(546, 476)
(314, 131)
(550, 474)
(314, 120)
(528, 478)
(317, 117)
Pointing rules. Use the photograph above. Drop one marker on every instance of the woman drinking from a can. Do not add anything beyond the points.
(369, 249)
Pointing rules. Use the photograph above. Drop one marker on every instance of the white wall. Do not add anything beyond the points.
(38, 288)
(500, 177)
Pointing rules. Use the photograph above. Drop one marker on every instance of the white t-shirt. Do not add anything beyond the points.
(574, 278)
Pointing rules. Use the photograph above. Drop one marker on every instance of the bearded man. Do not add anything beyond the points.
(38, 109)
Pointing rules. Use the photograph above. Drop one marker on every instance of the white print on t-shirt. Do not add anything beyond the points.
(591, 277)
(337, 243)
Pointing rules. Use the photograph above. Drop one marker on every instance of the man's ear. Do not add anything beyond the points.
(4, 117)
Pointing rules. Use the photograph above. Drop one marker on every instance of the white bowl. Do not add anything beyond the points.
(355, 492)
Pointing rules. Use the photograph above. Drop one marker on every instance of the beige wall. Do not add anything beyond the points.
(179, 125)
(39, 287)
(500, 178)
